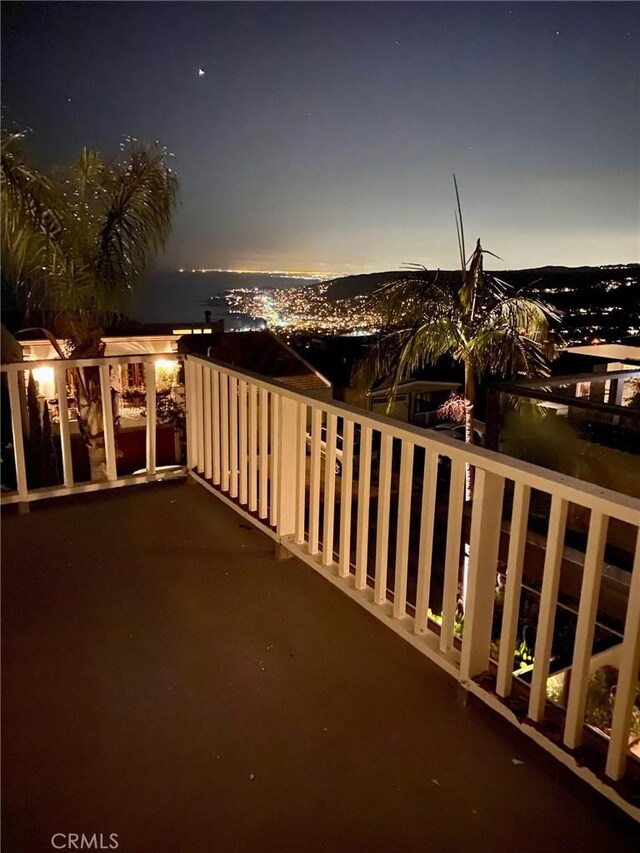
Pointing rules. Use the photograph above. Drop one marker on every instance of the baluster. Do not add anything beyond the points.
(274, 496)
(382, 531)
(548, 599)
(301, 468)
(314, 502)
(233, 436)
(629, 663)
(513, 588)
(199, 425)
(253, 447)
(264, 451)
(364, 493)
(244, 454)
(452, 554)
(425, 551)
(150, 393)
(17, 433)
(329, 491)
(587, 614)
(207, 412)
(65, 429)
(107, 423)
(346, 494)
(224, 419)
(216, 431)
(402, 539)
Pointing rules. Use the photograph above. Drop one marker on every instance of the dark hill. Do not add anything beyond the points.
(541, 278)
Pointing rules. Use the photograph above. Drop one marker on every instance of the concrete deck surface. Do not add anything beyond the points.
(168, 680)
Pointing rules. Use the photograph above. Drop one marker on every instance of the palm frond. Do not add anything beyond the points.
(514, 338)
(460, 229)
(77, 247)
(140, 198)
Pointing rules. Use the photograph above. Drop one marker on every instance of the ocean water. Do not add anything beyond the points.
(183, 297)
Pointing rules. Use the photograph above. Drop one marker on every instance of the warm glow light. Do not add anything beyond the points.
(166, 364)
(43, 376)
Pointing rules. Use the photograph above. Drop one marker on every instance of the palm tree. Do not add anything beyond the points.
(479, 321)
(74, 249)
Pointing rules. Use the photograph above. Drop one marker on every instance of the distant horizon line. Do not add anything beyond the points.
(317, 274)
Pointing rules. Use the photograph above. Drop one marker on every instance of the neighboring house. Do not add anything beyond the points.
(416, 402)
(258, 352)
(124, 339)
(585, 425)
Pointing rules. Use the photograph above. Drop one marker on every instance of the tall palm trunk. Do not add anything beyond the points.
(91, 420)
(469, 421)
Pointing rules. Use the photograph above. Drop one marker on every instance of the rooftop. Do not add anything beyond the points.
(169, 680)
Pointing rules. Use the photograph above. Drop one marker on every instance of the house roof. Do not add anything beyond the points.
(611, 352)
(414, 385)
(258, 352)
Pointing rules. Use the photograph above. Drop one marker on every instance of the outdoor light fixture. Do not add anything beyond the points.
(44, 376)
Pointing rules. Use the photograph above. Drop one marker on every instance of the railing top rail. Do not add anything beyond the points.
(570, 379)
(70, 363)
(614, 504)
(537, 393)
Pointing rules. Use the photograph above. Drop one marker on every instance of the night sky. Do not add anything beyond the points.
(322, 136)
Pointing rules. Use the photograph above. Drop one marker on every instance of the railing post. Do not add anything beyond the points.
(107, 423)
(150, 383)
(484, 542)
(190, 397)
(18, 435)
(199, 416)
(287, 459)
(208, 433)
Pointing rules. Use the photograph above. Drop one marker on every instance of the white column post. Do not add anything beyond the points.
(484, 541)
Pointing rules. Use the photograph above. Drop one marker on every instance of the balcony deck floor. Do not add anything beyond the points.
(167, 679)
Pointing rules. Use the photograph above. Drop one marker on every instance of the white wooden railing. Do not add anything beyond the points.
(15, 374)
(247, 440)
(323, 480)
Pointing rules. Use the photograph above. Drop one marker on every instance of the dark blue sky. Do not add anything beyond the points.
(324, 135)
